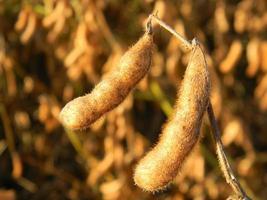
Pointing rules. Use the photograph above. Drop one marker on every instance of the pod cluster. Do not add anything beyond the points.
(179, 135)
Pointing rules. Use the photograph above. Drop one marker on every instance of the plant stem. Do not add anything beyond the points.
(10, 140)
(185, 43)
(223, 162)
(104, 27)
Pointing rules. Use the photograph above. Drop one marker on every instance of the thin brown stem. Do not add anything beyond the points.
(10, 140)
(104, 27)
(223, 161)
(7, 129)
(185, 43)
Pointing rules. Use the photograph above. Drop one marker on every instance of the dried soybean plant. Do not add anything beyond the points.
(113, 89)
(180, 134)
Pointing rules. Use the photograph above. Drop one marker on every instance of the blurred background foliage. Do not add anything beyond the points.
(52, 51)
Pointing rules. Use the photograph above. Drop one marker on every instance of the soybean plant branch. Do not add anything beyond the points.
(223, 161)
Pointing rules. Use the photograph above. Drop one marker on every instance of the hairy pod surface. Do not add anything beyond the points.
(113, 89)
(181, 132)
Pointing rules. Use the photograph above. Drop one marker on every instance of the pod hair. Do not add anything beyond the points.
(113, 89)
(182, 131)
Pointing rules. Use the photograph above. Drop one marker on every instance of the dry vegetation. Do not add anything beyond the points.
(52, 51)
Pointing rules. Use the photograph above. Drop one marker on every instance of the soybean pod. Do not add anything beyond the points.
(113, 89)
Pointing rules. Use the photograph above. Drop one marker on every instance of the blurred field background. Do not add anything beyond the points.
(52, 51)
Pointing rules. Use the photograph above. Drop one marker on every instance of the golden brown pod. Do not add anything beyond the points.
(181, 132)
(253, 57)
(113, 89)
(232, 57)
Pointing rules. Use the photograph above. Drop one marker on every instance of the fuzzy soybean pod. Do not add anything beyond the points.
(181, 133)
(113, 89)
